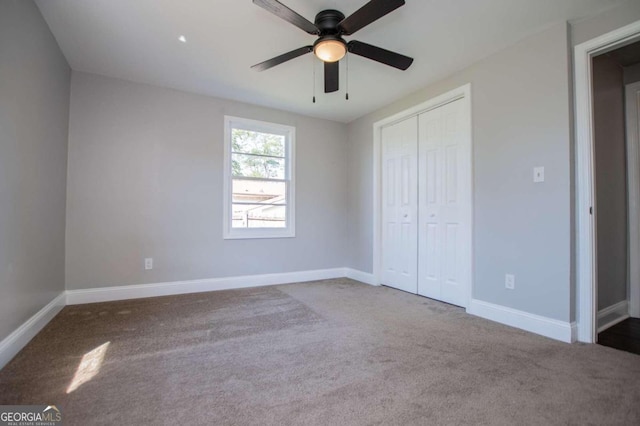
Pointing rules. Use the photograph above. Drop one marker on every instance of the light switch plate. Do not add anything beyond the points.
(538, 174)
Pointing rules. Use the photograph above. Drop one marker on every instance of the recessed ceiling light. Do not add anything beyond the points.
(182, 39)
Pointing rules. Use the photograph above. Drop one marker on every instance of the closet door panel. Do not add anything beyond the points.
(399, 205)
(442, 205)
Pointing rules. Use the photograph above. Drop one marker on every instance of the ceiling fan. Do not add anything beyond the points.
(330, 25)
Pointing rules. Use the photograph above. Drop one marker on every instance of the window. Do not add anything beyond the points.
(258, 179)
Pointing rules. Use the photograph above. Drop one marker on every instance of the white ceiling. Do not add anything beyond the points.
(138, 40)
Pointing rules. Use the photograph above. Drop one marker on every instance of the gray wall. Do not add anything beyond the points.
(615, 18)
(632, 74)
(34, 117)
(611, 180)
(520, 102)
(145, 180)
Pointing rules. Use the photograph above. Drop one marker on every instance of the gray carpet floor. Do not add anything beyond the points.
(330, 352)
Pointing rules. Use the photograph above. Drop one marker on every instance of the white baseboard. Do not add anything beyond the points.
(13, 343)
(552, 328)
(363, 277)
(107, 294)
(612, 315)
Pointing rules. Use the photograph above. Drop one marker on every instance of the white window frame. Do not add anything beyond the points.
(289, 133)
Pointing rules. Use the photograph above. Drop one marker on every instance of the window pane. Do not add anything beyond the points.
(259, 167)
(258, 216)
(259, 192)
(249, 142)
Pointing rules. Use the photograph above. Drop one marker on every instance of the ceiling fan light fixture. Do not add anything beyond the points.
(330, 49)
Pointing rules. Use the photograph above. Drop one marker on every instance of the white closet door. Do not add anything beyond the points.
(400, 205)
(444, 203)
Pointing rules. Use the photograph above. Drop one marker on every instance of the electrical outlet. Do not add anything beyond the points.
(148, 263)
(538, 174)
(510, 281)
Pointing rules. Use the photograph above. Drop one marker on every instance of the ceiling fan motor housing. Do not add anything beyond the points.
(327, 22)
(329, 39)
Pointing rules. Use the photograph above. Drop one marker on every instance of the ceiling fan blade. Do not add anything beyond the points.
(288, 15)
(367, 14)
(282, 58)
(331, 76)
(379, 54)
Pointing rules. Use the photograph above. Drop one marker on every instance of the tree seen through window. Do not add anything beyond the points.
(257, 155)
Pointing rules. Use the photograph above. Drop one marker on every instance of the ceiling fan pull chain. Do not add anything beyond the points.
(347, 95)
(313, 62)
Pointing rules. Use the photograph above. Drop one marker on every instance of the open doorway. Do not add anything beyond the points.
(607, 183)
(616, 92)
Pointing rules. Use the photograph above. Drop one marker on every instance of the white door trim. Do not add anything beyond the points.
(464, 93)
(633, 185)
(586, 265)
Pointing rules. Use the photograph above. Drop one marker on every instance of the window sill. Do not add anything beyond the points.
(258, 234)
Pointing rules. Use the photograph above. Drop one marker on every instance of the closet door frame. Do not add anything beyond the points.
(461, 93)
